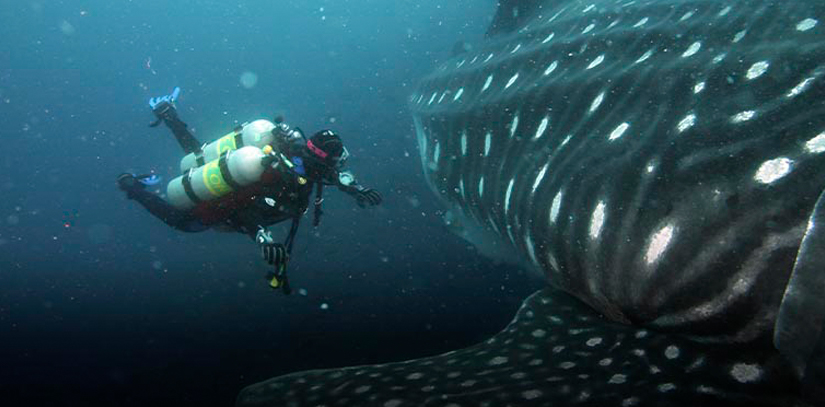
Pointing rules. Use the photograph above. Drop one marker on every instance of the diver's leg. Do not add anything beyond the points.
(181, 220)
(164, 109)
(169, 115)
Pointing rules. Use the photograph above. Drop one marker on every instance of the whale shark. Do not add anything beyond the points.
(661, 164)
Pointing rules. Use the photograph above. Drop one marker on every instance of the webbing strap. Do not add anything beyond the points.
(238, 139)
(187, 187)
(199, 158)
(319, 199)
(227, 176)
(290, 238)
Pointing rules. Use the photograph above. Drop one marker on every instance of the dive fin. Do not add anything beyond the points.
(148, 179)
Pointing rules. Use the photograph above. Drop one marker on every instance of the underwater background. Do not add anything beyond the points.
(102, 304)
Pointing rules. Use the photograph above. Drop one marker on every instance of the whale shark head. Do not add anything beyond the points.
(661, 161)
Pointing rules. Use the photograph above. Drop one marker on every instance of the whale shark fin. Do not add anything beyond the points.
(798, 333)
(557, 352)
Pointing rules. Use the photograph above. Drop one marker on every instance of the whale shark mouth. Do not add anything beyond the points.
(661, 161)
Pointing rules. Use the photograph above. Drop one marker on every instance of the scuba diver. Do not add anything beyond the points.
(260, 174)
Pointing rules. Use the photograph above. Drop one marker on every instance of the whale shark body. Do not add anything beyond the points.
(662, 162)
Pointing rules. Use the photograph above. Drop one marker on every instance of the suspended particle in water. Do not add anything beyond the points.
(67, 28)
(249, 79)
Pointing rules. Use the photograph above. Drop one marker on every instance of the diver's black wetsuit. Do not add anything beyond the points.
(169, 116)
(296, 166)
(243, 210)
(185, 221)
(280, 195)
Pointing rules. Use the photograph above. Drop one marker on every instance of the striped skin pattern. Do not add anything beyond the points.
(658, 159)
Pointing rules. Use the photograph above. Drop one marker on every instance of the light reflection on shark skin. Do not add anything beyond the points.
(660, 160)
(663, 162)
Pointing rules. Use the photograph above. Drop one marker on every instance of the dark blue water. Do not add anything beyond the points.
(102, 304)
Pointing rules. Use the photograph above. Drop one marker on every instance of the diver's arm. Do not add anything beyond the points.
(164, 109)
(363, 196)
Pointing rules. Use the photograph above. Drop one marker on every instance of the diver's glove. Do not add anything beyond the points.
(164, 106)
(276, 255)
(368, 196)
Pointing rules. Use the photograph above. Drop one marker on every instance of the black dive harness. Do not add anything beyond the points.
(238, 139)
(280, 272)
(319, 199)
(223, 167)
(296, 220)
(280, 275)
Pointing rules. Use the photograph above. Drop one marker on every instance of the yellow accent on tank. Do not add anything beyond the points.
(274, 283)
(225, 143)
(267, 149)
(213, 179)
(302, 180)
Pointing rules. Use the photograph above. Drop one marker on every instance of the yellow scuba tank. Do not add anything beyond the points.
(258, 134)
(231, 171)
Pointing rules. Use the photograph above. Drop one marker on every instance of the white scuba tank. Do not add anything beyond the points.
(258, 134)
(231, 171)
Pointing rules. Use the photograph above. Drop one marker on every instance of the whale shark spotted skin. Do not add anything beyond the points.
(661, 161)
(556, 352)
